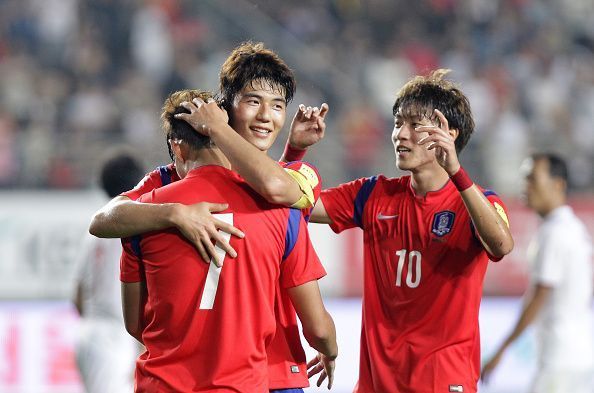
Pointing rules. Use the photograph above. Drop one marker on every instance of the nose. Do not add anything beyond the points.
(401, 133)
(264, 113)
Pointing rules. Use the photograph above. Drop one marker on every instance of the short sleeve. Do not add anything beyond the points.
(160, 177)
(300, 263)
(548, 268)
(309, 180)
(345, 204)
(131, 268)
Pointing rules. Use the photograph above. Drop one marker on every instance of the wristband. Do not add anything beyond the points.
(461, 180)
(293, 154)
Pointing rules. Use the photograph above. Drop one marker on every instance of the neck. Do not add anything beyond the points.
(552, 206)
(202, 157)
(424, 180)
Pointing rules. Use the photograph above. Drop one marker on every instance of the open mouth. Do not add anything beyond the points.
(261, 131)
(402, 150)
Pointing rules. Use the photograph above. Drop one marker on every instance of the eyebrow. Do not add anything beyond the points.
(256, 95)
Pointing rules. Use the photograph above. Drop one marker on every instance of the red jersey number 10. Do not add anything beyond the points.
(212, 278)
(414, 268)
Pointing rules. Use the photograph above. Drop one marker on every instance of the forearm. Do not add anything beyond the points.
(490, 226)
(324, 341)
(261, 172)
(123, 218)
(319, 215)
(529, 313)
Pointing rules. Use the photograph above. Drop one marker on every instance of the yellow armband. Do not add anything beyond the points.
(501, 212)
(307, 179)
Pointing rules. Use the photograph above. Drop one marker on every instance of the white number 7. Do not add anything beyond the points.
(212, 278)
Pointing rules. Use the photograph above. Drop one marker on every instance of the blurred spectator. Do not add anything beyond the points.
(66, 67)
(559, 300)
(105, 354)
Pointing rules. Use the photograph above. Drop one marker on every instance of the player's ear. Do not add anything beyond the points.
(454, 133)
(177, 147)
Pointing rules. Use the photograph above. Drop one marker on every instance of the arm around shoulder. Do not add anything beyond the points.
(122, 217)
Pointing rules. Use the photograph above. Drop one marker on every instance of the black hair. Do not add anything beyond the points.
(121, 172)
(557, 165)
(251, 62)
(422, 94)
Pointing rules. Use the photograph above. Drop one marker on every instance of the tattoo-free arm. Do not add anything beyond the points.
(531, 309)
(492, 229)
(133, 298)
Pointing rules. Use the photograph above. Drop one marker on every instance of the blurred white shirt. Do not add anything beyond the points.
(105, 353)
(562, 259)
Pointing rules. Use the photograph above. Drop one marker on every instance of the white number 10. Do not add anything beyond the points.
(414, 258)
(212, 278)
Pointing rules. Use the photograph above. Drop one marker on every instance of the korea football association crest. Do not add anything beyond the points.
(443, 223)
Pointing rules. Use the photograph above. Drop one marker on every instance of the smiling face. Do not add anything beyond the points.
(258, 113)
(411, 156)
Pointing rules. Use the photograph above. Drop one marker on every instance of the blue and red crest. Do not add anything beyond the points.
(443, 223)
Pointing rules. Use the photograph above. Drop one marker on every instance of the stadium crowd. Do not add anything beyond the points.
(79, 76)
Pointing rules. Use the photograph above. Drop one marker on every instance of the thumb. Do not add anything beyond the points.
(217, 207)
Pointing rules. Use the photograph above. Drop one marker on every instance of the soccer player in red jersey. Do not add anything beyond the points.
(206, 327)
(257, 112)
(427, 238)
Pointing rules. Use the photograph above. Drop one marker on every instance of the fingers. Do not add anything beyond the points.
(202, 251)
(323, 110)
(443, 122)
(330, 381)
(314, 370)
(221, 225)
(313, 362)
(217, 207)
(210, 249)
(321, 378)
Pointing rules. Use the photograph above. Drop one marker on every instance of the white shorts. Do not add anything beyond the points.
(106, 357)
(548, 380)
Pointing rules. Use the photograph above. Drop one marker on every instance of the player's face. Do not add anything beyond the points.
(538, 184)
(258, 114)
(409, 154)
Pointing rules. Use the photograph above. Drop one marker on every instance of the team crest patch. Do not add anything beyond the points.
(442, 223)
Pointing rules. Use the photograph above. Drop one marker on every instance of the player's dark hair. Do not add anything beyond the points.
(119, 173)
(557, 165)
(178, 128)
(422, 94)
(249, 63)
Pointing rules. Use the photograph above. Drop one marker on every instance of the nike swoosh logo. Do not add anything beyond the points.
(380, 216)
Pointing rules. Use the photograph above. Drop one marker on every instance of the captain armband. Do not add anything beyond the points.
(307, 179)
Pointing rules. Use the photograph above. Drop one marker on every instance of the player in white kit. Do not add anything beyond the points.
(560, 298)
(105, 353)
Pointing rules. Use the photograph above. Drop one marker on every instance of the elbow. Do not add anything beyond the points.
(276, 191)
(503, 248)
(95, 227)
(134, 331)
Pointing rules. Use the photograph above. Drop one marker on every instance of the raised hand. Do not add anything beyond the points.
(197, 223)
(323, 365)
(203, 115)
(308, 126)
(441, 138)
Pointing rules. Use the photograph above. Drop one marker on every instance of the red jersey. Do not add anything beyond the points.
(423, 274)
(286, 357)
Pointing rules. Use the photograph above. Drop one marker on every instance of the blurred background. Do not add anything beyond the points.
(78, 77)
